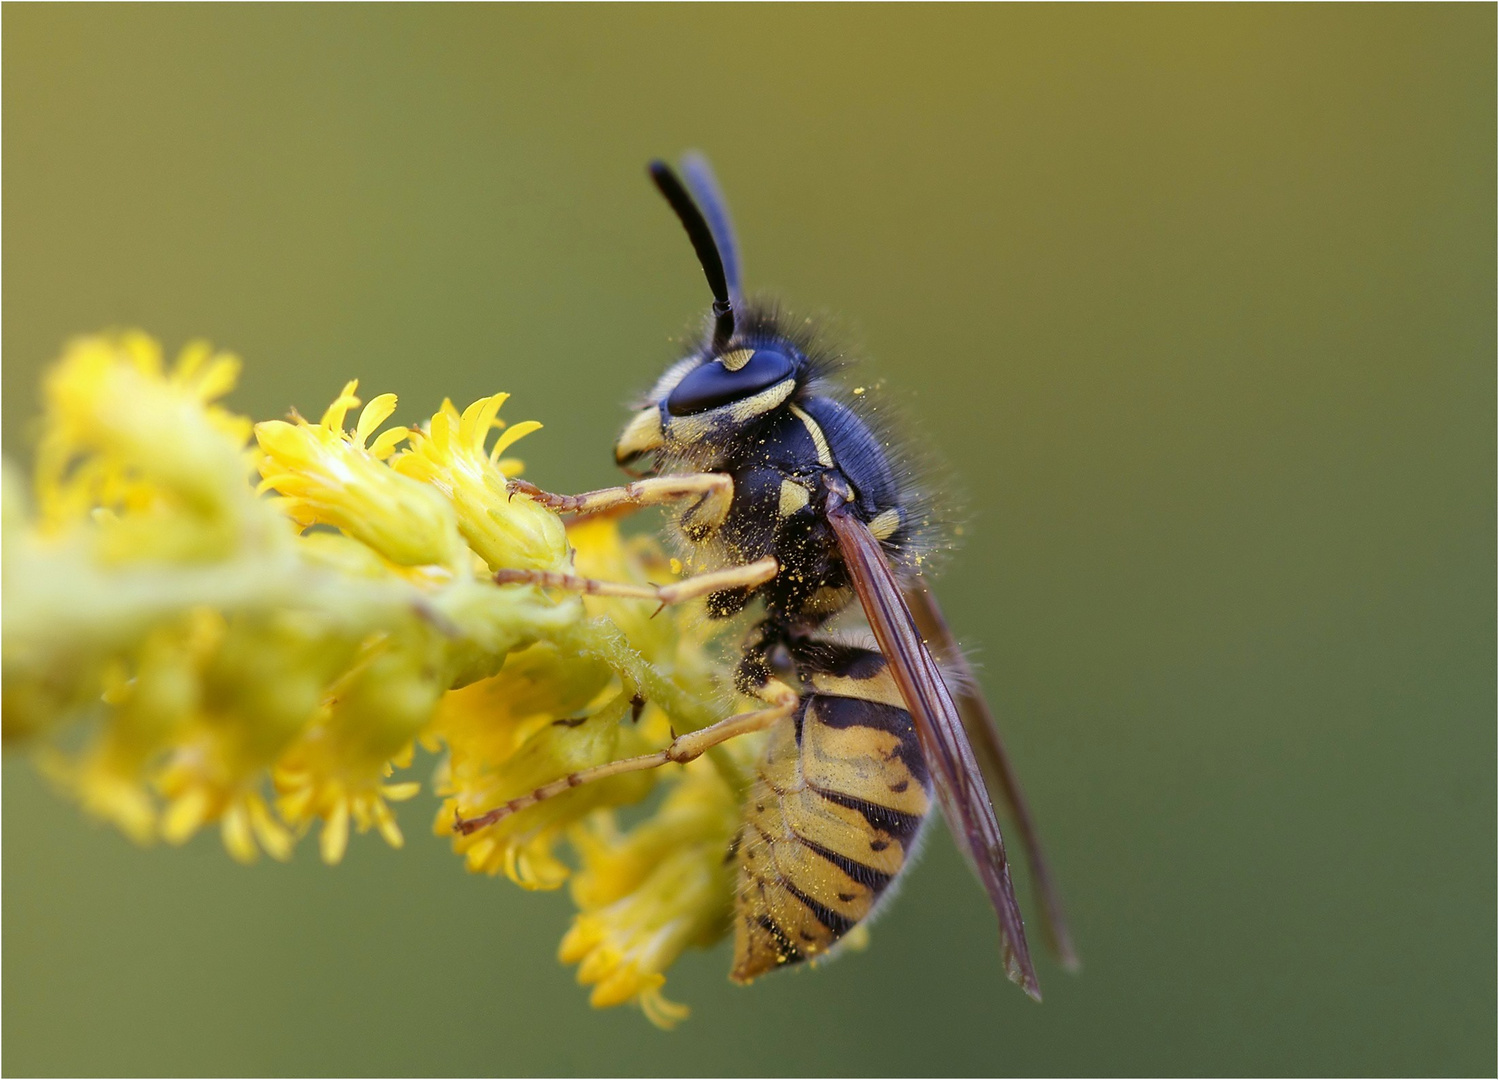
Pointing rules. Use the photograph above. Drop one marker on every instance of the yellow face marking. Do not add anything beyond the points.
(641, 435)
(762, 402)
(793, 498)
(687, 429)
(737, 359)
(819, 440)
(881, 688)
(698, 426)
(885, 524)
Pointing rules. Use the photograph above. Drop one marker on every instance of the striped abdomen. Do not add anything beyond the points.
(832, 815)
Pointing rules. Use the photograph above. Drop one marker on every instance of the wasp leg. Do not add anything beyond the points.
(735, 577)
(710, 493)
(781, 703)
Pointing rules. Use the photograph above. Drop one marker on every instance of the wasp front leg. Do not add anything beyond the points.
(707, 495)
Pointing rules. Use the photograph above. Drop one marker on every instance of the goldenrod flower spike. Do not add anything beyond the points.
(183, 655)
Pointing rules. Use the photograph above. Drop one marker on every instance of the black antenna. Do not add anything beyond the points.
(702, 242)
(697, 174)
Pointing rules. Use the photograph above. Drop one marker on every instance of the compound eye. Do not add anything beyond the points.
(722, 381)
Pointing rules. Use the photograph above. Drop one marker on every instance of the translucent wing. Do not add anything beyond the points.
(704, 187)
(983, 733)
(944, 744)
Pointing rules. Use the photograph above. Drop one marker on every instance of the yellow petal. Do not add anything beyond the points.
(387, 442)
(856, 939)
(281, 440)
(220, 377)
(190, 359)
(476, 859)
(441, 430)
(385, 821)
(514, 432)
(478, 418)
(334, 840)
(601, 963)
(623, 985)
(143, 351)
(333, 415)
(237, 836)
(273, 836)
(579, 940)
(185, 816)
(661, 1012)
(375, 413)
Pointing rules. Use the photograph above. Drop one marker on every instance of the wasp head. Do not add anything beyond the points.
(709, 402)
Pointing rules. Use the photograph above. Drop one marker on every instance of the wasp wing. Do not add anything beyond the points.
(939, 729)
(983, 734)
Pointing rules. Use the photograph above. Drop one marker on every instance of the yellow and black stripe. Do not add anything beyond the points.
(832, 815)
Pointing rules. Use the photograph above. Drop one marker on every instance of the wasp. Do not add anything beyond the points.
(787, 493)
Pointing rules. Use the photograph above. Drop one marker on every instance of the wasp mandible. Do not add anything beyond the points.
(790, 497)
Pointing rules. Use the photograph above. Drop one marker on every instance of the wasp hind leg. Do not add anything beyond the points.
(781, 702)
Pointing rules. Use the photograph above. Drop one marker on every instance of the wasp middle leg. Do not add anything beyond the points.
(747, 576)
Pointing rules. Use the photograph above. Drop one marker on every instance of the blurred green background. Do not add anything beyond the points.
(1200, 304)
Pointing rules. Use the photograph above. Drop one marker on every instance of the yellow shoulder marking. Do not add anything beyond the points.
(793, 498)
(885, 524)
(824, 453)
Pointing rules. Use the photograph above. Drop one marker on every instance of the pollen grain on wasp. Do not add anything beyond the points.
(210, 622)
